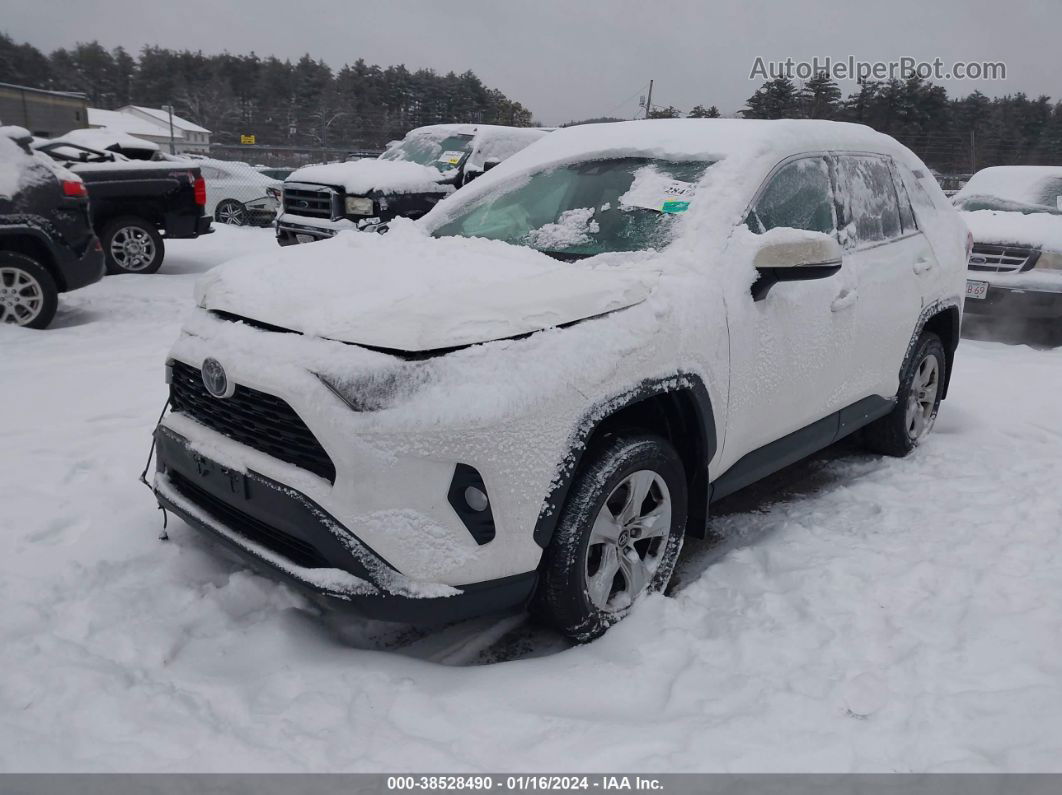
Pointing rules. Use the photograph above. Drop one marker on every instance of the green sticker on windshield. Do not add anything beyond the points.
(674, 207)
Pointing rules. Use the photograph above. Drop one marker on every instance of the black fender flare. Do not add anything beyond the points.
(592, 419)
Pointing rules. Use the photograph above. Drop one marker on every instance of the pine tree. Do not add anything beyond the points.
(700, 112)
(775, 99)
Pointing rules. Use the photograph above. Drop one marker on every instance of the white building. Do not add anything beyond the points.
(153, 124)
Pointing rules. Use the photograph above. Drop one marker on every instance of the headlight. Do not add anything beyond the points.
(378, 390)
(357, 205)
(1050, 260)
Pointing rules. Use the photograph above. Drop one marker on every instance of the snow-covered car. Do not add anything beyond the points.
(406, 181)
(531, 394)
(239, 194)
(1015, 216)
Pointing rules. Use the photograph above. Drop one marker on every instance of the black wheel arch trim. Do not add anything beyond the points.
(949, 323)
(593, 418)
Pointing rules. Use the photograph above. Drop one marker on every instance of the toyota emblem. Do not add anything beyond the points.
(215, 380)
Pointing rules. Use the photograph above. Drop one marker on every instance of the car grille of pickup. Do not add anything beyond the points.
(1002, 259)
(311, 201)
(253, 418)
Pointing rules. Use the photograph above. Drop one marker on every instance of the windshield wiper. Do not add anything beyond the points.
(565, 256)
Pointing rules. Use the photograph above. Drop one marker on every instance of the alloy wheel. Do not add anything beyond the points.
(231, 212)
(922, 400)
(21, 297)
(627, 541)
(132, 248)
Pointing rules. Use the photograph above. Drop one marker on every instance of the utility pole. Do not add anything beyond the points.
(649, 100)
(973, 152)
(169, 109)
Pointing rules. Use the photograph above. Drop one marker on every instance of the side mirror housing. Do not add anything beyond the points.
(788, 255)
(490, 163)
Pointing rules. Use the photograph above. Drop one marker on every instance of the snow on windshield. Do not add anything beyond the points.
(586, 208)
(1014, 189)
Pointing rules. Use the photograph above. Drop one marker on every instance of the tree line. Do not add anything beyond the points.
(305, 103)
(950, 134)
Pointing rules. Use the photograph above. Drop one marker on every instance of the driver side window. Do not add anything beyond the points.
(800, 196)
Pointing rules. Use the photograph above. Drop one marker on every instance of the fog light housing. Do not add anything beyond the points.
(468, 497)
(357, 205)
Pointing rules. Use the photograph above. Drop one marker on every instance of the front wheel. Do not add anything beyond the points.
(917, 402)
(618, 536)
(28, 295)
(231, 212)
(132, 245)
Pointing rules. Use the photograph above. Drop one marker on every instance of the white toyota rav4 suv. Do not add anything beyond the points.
(530, 395)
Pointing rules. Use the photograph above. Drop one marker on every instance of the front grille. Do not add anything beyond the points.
(294, 549)
(316, 202)
(253, 418)
(1002, 259)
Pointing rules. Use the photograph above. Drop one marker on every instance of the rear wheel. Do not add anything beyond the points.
(231, 212)
(917, 402)
(28, 295)
(618, 537)
(132, 245)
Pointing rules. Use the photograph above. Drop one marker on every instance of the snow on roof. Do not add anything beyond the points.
(106, 138)
(164, 117)
(125, 122)
(359, 177)
(1031, 185)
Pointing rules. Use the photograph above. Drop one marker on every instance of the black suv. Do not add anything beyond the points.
(47, 245)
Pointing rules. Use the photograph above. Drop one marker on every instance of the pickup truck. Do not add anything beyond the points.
(47, 245)
(407, 180)
(135, 203)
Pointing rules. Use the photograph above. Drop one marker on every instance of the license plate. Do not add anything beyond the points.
(305, 238)
(976, 289)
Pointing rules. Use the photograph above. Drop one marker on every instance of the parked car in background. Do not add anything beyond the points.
(135, 203)
(47, 245)
(406, 181)
(1015, 271)
(534, 392)
(277, 173)
(239, 194)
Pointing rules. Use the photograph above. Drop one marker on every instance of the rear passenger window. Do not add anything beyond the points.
(907, 218)
(800, 196)
(868, 199)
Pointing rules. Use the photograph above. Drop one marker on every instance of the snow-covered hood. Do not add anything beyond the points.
(359, 177)
(410, 292)
(1033, 230)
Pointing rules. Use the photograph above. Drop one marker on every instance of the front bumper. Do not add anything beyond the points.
(292, 229)
(1016, 303)
(283, 531)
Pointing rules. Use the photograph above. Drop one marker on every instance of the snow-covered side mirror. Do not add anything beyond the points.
(490, 163)
(787, 255)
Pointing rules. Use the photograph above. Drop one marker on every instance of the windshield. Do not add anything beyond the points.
(973, 203)
(587, 208)
(429, 150)
(1043, 195)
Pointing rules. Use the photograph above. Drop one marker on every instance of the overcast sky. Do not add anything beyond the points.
(573, 59)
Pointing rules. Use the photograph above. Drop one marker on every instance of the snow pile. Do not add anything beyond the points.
(875, 615)
(360, 177)
(1034, 230)
(405, 290)
(573, 228)
(17, 169)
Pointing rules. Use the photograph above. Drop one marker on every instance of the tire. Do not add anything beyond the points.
(576, 595)
(132, 245)
(917, 401)
(231, 212)
(28, 295)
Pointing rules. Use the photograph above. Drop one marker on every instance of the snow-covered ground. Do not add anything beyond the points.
(859, 613)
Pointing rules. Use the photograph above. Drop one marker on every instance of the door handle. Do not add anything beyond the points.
(845, 299)
(922, 264)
